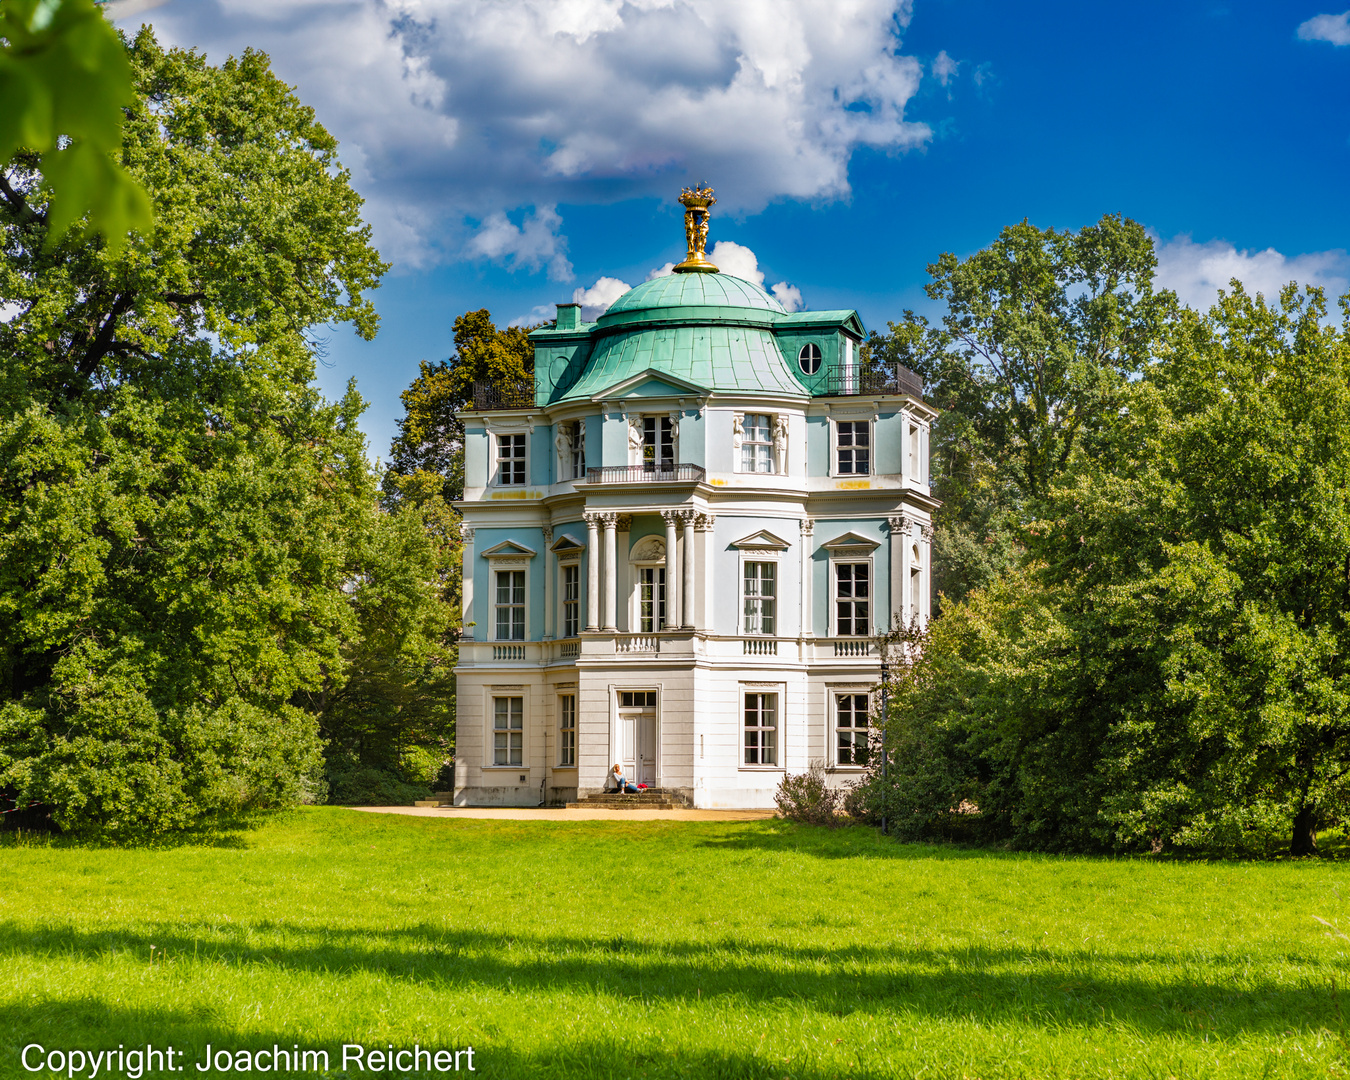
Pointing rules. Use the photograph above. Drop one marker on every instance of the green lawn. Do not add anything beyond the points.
(656, 950)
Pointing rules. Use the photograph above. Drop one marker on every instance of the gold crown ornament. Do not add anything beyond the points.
(697, 202)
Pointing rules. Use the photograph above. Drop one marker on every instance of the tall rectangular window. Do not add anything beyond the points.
(851, 595)
(571, 599)
(761, 729)
(757, 443)
(658, 442)
(853, 444)
(508, 731)
(915, 458)
(567, 729)
(510, 459)
(578, 450)
(761, 594)
(651, 599)
(850, 729)
(510, 605)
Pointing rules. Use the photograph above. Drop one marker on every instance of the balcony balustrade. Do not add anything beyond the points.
(646, 474)
(844, 382)
(492, 396)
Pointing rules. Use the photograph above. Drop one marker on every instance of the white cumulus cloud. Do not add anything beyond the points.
(532, 244)
(944, 67)
(595, 301)
(1332, 28)
(456, 112)
(1196, 272)
(728, 256)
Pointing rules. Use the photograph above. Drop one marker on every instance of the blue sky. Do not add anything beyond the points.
(516, 154)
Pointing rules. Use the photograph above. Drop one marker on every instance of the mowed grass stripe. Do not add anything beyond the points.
(757, 949)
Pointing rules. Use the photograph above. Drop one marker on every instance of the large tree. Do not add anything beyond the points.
(430, 436)
(1171, 669)
(1042, 333)
(180, 513)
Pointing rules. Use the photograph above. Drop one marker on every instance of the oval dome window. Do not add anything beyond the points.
(809, 358)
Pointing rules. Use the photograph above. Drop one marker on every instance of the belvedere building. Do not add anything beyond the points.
(680, 544)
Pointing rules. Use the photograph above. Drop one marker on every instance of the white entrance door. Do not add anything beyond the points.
(638, 731)
(646, 748)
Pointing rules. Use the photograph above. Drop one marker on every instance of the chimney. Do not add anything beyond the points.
(569, 316)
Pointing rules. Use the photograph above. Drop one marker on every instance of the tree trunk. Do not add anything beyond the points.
(1304, 840)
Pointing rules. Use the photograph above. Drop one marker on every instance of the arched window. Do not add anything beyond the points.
(809, 358)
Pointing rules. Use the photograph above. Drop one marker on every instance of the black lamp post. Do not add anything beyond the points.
(885, 756)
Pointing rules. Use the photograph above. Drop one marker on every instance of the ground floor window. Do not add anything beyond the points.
(567, 729)
(761, 729)
(851, 733)
(508, 731)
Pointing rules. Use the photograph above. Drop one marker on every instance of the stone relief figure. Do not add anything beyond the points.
(675, 435)
(780, 433)
(737, 434)
(635, 440)
(563, 441)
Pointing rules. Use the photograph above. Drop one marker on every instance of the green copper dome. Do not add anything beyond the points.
(654, 298)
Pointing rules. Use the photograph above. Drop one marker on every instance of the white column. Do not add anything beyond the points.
(592, 571)
(610, 522)
(466, 579)
(899, 536)
(672, 570)
(926, 599)
(906, 565)
(687, 590)
(808, 527)
(703, 570)
(550, 572)
(623, 574)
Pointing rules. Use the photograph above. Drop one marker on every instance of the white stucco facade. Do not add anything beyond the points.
(683, 568)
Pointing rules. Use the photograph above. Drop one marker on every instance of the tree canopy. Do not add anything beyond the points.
(430, 437)
(64, 75)
(1166, 667)
(182, 518)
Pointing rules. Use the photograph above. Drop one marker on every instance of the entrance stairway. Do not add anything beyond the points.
(651, 799)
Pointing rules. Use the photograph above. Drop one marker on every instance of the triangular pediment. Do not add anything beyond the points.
(851, 541)
(761, 541)
(566, 544)
(651, 383)
(509, 549)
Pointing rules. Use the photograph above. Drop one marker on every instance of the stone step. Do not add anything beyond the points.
(663, 804)
(433, 802)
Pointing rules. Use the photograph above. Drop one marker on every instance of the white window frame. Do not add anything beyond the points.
(765, 444)
(575, 465)
(914, 450)
(660, 605)
(497, 569)
(844, 558)
(818, 358)
(566, 760)
(499, 459)
(835, 421)
(779, 690)
(762, 557)
(565, 563)
(491, 743)
(835, 693)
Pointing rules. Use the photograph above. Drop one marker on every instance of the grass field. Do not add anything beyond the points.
(616, 949)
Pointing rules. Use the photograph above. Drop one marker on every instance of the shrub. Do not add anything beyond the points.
(808, 798)
(366, 785)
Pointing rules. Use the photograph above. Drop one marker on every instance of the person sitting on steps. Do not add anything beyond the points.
(621, 783)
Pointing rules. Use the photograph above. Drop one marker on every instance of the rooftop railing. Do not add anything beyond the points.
(645, 474)
(489, 396)
(843, 382)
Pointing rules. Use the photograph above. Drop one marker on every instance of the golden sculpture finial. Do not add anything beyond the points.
(698, 201)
